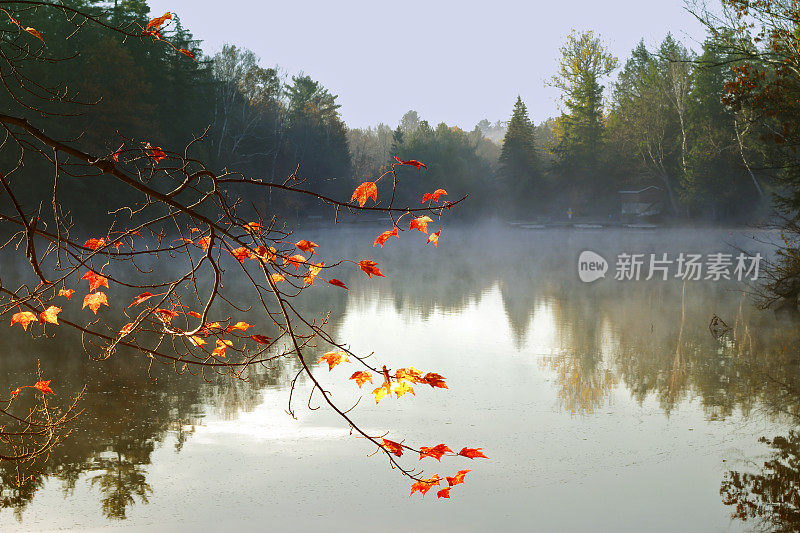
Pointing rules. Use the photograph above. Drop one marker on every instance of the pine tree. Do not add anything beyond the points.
(519, 163)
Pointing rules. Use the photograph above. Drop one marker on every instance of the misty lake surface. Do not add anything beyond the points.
(604, 406)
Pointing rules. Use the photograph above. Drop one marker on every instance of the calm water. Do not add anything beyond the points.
(603, 406)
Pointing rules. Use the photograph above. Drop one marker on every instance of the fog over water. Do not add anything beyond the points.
(607, 405)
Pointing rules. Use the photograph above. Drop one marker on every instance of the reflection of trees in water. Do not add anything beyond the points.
(606, 333)
(123, 478)
(770, 497)
(129, 409)
(638, 333)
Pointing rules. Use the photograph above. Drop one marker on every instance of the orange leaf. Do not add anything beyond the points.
(458, 478)
(393, 447)
(411, 162)
(157, 22)
(126, 329)
(420, 223)
(333, 359)
(261, 339)
(368, 189)
(50, 315)
(95, 280)
(294, 260)
(434, 195)
(66, 293)
(338, 283)
(436, 452)
(313, 271)
(186, 52)
(276, 277)
(435, 380)
(370, 267)
(383, 237)
(425, 485)
(95, 300)
(253, 227)
(241, 254)
(307, 246)
(195, 314)
(361, 377)
(197, 341)
(434, 238)
(472, 453)
(221, 347)
(141, 298)
(444, 493)
(94, 244)
(166, 314)
(266, 254)
(241, 326)
(44, 386)
(24, 318)
(203, 242)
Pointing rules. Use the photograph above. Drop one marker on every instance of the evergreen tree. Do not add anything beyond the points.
(519, 163)
(579, 131)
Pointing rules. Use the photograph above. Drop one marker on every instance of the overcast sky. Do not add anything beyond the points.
(452, 61)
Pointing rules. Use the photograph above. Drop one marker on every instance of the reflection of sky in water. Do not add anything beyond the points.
(592, 415)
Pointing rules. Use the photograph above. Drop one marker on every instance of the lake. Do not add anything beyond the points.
(607, 405)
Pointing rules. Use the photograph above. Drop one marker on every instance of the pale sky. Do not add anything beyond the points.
(452, 61)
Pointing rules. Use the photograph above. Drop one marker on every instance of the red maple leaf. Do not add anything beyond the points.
(383, 237)
(458, 478)
(156, 23)
(411, 162)
(44, 386)
(94, 300)
(307, 246)
(420, 223)
(94, 244)
(333, 359)
(472, 453)
(141, 298)
(435, 380)
(368, 189)
(23, 318)
(261, 339)
(370, 267)
(338, 283)
(393, 447)
(95, 280)
(66, 293)
(434, 195)
(424, 485)
(361, 377)
(436, 452)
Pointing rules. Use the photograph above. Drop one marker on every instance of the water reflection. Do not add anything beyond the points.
(771, 497)
(646, 339)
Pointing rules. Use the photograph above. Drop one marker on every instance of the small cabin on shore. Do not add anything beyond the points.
(645, 202)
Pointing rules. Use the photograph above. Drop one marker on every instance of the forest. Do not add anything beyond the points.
(662, 117)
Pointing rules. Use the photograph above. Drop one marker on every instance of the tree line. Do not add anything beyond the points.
(664, 121)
